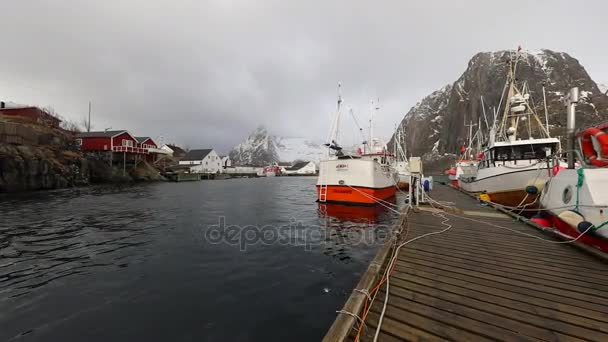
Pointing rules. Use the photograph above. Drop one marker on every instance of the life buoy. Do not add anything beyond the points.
(594, 143)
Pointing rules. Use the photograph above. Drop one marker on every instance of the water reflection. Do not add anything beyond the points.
(354, 213)
(348, 229)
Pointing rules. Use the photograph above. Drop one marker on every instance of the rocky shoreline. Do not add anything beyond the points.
(52, 163)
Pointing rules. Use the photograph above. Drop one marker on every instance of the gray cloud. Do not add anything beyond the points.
(205, 73)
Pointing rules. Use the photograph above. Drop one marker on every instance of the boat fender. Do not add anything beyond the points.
(427, 185)
(532, 190)
(584, 227)
(541, 221)
(571, 218)
(484, 197)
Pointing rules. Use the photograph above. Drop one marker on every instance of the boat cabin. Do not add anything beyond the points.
(522, 152)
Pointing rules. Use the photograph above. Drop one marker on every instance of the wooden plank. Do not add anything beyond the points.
(514, 319)
(507, 271)
(400, 306)
(536, 248)
(404, 298)
(565, 296)
(588, 265)
(571, 273)
(507, 291)
(395, 329)
(432, 326)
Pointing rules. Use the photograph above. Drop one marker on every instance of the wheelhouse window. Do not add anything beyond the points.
(518, 152)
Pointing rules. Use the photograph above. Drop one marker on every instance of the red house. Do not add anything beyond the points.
(146, 142)
(33, 113)
(150, 145)
(115, 141)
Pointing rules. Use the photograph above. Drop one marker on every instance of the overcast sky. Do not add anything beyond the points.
(206, 73)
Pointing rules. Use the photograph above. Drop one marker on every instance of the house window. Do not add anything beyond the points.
(127, 143)
(78, 142)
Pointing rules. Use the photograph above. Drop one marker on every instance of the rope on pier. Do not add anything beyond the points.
(361, 321)
(392, 263)
(364, 291)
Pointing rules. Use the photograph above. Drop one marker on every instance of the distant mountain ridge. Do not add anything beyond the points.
(263, 148)
(436, 124)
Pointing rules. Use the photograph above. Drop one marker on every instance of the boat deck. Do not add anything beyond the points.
(479, 282)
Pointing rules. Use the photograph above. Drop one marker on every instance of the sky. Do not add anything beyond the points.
(205, 73)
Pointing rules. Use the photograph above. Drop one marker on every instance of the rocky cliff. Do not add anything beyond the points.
(436, 125)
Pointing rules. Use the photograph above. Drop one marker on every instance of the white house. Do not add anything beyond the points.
(202, 161)
(302, 168)
(226, 162)
(168, 150)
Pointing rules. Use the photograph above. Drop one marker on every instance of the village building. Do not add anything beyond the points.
(168, 150)
(301, 169)
(178, 152)
(202, 161)
(127, 147)
(34, 114)
(226, 162)
(155, 152)
(112, 141)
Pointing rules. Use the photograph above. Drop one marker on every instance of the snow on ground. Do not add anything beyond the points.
(603, 87)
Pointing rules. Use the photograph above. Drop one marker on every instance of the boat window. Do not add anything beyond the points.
(524, 152)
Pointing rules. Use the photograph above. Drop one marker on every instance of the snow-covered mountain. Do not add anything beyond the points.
(435, 125)
(263, 148)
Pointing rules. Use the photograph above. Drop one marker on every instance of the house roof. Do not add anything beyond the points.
(141, 140)
(176, 149)
(100, 134)
(197, 154)
(297, 166)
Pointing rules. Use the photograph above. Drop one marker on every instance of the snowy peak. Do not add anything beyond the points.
(603, 88)
(263, 148)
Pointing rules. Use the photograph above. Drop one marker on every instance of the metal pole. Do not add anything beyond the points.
(546, 111)
(89, 122)
(572, 100)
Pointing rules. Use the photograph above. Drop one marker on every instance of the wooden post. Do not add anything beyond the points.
(124, 163)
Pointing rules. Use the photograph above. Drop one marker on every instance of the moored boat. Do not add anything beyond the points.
(575, 199)
(513, 170)
(361, 179)
(400, 163)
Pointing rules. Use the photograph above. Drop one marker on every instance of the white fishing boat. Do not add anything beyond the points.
(400, 163)
(362, 179)
(575, 199)
(466, 165)
(513, 170)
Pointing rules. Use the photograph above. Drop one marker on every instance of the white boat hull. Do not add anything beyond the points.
(507, 186)
(355, 181)
(590, 202)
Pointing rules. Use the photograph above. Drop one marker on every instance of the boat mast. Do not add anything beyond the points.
(338, 111)
(333, 132)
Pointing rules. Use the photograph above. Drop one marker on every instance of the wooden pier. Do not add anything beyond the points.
(480, 280)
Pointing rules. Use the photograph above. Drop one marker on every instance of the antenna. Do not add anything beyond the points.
(89, 122)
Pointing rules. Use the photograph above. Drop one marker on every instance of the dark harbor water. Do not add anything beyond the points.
(151, 262)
